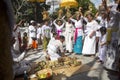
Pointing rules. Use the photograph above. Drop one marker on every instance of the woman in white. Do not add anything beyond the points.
(32, 33)
(17, 35)
(59, 26)
(90, 36)
(69, 30)
(78, 34)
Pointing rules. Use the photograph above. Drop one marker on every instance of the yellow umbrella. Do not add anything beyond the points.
(69, 3)
(36, 0)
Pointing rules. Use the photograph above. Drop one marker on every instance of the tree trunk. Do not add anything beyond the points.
(6, 71)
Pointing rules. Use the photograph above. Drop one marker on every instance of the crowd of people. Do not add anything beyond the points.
(85, 35)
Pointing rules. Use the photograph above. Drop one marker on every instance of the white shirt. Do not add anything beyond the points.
(91, 26)
(39, 31)
(32, 31)
(103, 40)
(78, 23)
(57, 26)
(46, 31)
(54, 45)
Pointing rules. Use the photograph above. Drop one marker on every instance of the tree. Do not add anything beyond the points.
(85, 5)
(17, 6)
(28, 10)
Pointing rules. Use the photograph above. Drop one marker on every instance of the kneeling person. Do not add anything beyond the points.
(55, 48)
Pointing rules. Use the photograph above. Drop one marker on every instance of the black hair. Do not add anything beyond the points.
(62, 37)
(103, 29)
(25, 33)
(54, 33)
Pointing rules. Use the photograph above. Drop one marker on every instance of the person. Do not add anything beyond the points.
(101, 18)
(46, 30)
(19, 66)
(90, 36)
(25, 41)
(102, 45)
(39, 34)
(32, 35)
(54, 37)
(17, 44)
(78, 34)
(59, 26)
(55, 49)
(112, 52)
(69, 30)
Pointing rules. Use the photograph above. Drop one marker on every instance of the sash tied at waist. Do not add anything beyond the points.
(76, 33)
(58, 32)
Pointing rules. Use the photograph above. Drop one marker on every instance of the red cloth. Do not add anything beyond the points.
(76, 33)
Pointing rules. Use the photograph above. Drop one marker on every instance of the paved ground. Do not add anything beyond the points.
(92, 70)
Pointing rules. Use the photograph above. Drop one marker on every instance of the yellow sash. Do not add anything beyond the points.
(109, 33)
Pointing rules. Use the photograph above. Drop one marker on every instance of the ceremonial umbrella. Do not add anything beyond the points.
(53, 3)
(69, 3)
(36, 0)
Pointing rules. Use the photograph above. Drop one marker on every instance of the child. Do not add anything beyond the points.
(102, 44)
(25, 40)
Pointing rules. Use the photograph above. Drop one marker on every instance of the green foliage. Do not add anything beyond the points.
(85, 5)
(28, 11)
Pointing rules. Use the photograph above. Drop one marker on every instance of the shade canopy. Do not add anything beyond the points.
(53, 2)
(69, 3)
(36, 0)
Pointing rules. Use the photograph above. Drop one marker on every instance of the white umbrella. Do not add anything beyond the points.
(53, 3)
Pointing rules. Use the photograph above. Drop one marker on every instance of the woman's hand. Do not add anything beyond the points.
(92, 34)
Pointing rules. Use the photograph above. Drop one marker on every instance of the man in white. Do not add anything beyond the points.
(46, 30)
(55, 49)
(32, 32)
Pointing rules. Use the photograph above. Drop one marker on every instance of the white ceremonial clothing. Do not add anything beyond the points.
(46, 30)
(53, 48)
(90, 43)
(69, 30)
(32, 33)
(103, 23)
(59, 28)
(102, 49)
(39, 32)
(78, 24)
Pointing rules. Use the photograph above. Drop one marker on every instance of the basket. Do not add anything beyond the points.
(44, 74)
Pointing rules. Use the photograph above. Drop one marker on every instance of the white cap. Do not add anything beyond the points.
(38, 24)
(32, 21)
